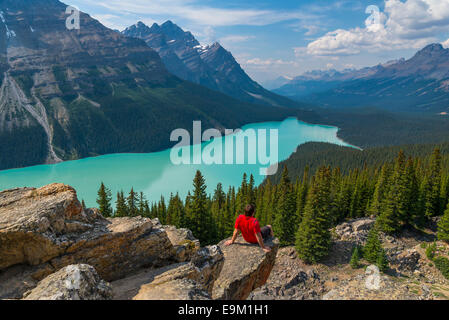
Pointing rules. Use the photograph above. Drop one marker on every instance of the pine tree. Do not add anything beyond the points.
(313, 238)
(218, 210)
(443, 227)
(147, 211)
(176, 212)
(285, 221)
(382, 261)
(83, 204)
(162, 211)
(381, 190)
(432, 186)
(141, 204)
(121, 208)
(242, 195)
(104, 201)
(355, 258)
(301, 195)
(251, 192)
(132, 203)
(200, 217)
(373, 246)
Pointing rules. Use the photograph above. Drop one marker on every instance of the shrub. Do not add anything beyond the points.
(442, 264)
(355, 258)
(430, 251)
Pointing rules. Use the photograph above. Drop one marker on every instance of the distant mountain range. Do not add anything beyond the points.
(418, 84)
(68, 94)
(211, 66)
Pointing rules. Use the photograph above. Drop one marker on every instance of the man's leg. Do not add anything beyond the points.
(266, 232)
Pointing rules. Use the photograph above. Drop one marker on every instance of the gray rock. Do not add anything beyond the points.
(74, 282)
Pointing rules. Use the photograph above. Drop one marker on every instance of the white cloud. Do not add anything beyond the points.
(446, 43)
(268, 62)
(197, 12)
(235, 38)
(404, 25)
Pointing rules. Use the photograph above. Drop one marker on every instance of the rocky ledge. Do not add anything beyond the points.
(52, 248)
(410, 276)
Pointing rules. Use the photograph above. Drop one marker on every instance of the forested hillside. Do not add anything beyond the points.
(405, 191)
(316, 154)
(373, 127)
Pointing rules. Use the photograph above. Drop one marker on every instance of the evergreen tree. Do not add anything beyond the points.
(104, 201)
(382, 261)
(219, 211)
(443, 227)
(147, 211)
(373, 246)
(313, 238)
(301, 195)
(132, 203)
(175, 212)
(381, 190)
(285, 220)
(200, 217)
(355, 258)
(83, 204)
(162, 211)
(251, 191)
(121, 208)
(141, 204)
(432, 186)
(242, 195)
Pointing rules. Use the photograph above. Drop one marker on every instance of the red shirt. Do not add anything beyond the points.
(249, 226)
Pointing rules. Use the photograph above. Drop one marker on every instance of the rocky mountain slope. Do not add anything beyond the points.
(53, 249)
(420, 83)
(411, 275)
(211, 66)
(68, 94)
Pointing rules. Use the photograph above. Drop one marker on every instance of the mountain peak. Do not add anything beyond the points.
(432, 49)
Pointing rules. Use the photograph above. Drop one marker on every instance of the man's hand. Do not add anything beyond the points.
(229, 242)
(266, 249)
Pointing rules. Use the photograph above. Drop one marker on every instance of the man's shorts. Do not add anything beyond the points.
(266, 232)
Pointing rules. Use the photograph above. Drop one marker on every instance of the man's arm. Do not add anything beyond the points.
(234, 236)
(261, 244)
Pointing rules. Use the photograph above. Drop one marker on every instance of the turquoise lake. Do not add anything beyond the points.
(154, 174)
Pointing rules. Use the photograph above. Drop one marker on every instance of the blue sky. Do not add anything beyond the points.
(272, 38)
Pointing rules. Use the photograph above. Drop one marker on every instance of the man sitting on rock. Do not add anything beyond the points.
(250, 229)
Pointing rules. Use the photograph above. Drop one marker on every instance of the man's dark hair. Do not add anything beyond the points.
(249, 210)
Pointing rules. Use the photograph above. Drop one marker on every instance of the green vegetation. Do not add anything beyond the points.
(372, 247)
(355, 258)
(23, 147)
(303, 212)
(430, 251)
(104, 201)
(313, 238)
(373, 127)
(443, 226)
(442, 264)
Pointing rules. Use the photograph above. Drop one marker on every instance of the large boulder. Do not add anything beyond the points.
(43, 230)
(183, 241)
(355, 231)
(246, 268)
(74, 282)
(186, 281)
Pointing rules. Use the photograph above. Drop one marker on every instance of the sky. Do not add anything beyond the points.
(273, 38)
